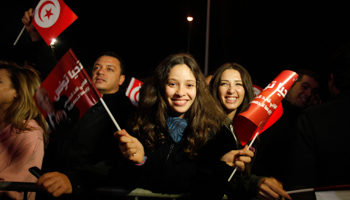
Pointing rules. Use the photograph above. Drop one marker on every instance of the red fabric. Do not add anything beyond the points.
(51, 18)
(261, 108)
(70, 79)
(133, 91)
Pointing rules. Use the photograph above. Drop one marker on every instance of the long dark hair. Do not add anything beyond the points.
(246, 79)
(203, 116)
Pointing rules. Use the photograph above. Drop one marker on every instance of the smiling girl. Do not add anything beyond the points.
(178, 125)
(232, 88)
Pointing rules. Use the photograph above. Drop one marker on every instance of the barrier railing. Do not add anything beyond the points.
(107, 191)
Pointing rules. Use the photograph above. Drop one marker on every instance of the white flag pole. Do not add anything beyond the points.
(251, 143)
(110, 114)
(19, 35)
(300, 191)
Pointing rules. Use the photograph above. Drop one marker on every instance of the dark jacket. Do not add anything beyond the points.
(91, 141)
(272, 153)
(320, 154)
(88, 150)
(169, 170)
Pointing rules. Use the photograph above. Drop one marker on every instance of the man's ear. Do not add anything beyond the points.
(121, 79)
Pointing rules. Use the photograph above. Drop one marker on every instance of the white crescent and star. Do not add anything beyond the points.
(47, 13)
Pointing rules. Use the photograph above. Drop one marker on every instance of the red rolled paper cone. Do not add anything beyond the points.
(275, 115)
(260, 109)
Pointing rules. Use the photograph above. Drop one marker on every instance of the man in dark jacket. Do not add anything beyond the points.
(82, 157)
(271, 155)
(320, 155)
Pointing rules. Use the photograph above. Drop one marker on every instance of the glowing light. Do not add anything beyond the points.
(189, 18)
(53, 41)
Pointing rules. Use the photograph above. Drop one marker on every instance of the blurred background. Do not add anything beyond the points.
(266, 37)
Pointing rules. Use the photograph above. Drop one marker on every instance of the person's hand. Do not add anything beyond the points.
(60, 116)
(55, 183)
(130, 147)
(27, 21)
(238, 158)
(270, 188)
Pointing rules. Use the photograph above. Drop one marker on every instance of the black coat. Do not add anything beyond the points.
(320, 153)
(169, 170)
(272, 152)
(91, 141)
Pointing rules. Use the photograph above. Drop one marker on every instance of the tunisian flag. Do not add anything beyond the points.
(51, 18)
(249, 123)
(133, 91)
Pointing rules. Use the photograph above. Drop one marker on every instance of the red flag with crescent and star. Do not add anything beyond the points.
(51, 18)
(133, 91)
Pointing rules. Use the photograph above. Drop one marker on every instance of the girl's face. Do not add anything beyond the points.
(231, 91)
(7, 92)
(180, 89)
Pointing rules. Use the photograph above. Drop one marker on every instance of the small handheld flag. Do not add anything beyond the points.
(51, 18)
(133, 91)
(261, 108)
(249, 123)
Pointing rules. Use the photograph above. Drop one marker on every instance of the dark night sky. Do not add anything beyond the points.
(265, 37)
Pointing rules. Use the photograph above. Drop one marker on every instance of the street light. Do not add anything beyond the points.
(189, 19)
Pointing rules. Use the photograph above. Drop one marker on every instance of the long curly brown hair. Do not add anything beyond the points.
(204, 117)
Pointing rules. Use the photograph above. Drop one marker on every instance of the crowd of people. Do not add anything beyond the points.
(180, 138)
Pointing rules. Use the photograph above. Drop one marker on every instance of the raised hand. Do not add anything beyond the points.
(27, 21)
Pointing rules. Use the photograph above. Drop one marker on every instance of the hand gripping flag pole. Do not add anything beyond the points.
(251, 122)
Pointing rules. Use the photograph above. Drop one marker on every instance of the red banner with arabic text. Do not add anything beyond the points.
(261, 108)
(66, 94)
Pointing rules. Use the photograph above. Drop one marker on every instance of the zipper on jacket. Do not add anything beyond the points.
(170, 151)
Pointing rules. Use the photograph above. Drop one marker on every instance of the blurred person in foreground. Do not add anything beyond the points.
(23, 131)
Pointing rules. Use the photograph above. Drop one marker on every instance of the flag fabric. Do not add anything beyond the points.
(51, 18)
(252, 120)
(257, 90)
(275, 115)
(67, 93)
(133, 91)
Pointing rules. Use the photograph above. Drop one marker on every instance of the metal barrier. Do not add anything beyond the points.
(18, 187)
(106, 191)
